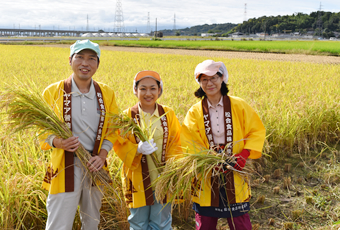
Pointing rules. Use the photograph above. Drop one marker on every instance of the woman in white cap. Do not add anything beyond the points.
(139, 170)
(228, 123)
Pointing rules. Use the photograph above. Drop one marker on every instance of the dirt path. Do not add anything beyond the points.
(224, 54)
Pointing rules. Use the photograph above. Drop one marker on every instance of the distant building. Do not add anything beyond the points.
(158, 34)
(208, 34)
(236, 34)
(87, 35)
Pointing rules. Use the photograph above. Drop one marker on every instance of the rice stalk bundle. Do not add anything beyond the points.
(25, 108)
(126, 126)
(179, 176)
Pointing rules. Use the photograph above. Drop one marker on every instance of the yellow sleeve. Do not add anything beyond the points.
(193, 137)
(110, 98)
(174, 139)
(126, 149)
(49, 95)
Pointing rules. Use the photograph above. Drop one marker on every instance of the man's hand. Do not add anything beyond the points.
(70, 144)
(97, 162)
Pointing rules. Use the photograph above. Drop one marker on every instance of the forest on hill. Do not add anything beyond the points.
(322, 23)
(197, 30)
(325, 22)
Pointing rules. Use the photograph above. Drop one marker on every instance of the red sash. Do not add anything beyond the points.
(228, 127)
(67, 104)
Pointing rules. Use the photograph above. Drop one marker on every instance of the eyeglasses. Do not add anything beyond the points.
(213, 80)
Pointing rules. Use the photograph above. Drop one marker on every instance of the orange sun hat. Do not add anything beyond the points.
(144, 74)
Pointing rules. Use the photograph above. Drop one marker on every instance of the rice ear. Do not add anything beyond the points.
(27, 109)
(180, 175)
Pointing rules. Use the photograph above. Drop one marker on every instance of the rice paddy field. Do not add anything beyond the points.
(295, 46)
(298, 102)
(310, 47)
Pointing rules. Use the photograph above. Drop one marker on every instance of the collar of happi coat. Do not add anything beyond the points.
(228, 124)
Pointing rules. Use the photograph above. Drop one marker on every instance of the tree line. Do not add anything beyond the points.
(197, 30)
(320, 22)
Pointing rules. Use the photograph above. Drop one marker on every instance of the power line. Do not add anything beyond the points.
(174, 22)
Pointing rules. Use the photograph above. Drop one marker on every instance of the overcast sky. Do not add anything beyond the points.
(68, 14)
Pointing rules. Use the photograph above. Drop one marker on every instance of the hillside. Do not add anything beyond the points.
(197, 30)
(328, 22)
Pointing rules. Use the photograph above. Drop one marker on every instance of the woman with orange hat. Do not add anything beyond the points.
(139, 170)
(223, 123)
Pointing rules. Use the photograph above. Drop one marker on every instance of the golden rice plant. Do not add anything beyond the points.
(126, 125)
(177, 178)
(22, 201)
(298, 102)
(26, 109)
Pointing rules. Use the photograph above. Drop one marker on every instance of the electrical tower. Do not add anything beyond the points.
(87, 25)
(245, 12)
(148, 30)
(319, 22)
(119, 19)
(174, 22)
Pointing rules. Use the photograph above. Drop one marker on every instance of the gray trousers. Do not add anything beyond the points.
(62, 207)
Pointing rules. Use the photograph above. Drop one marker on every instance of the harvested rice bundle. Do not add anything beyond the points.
(179, 176)
(137, 127)
(25, 108)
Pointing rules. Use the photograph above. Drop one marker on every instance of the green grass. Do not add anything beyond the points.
(301, 47)
(330, 48)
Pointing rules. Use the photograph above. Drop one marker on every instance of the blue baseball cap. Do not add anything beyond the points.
(80, 45)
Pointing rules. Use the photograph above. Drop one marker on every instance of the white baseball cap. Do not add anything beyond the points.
(210, 68)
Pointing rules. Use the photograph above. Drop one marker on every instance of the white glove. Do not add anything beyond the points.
(146, 148)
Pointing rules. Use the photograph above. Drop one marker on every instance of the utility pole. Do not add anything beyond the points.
(174, 22)
(148, 24)
(245, 12)
(87, 25)
(156, 30)
(319, 22)
(265, 27)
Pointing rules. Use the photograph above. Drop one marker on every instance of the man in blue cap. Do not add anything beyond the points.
(83, 104)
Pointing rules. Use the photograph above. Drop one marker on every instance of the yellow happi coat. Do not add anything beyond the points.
(247, 127)
(126, 149)
(53, 95)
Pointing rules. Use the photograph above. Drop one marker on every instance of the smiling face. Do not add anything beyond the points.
(211, 85)
(84, 64)
(148, 92)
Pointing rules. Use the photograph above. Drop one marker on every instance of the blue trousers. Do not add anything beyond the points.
(154, 217)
